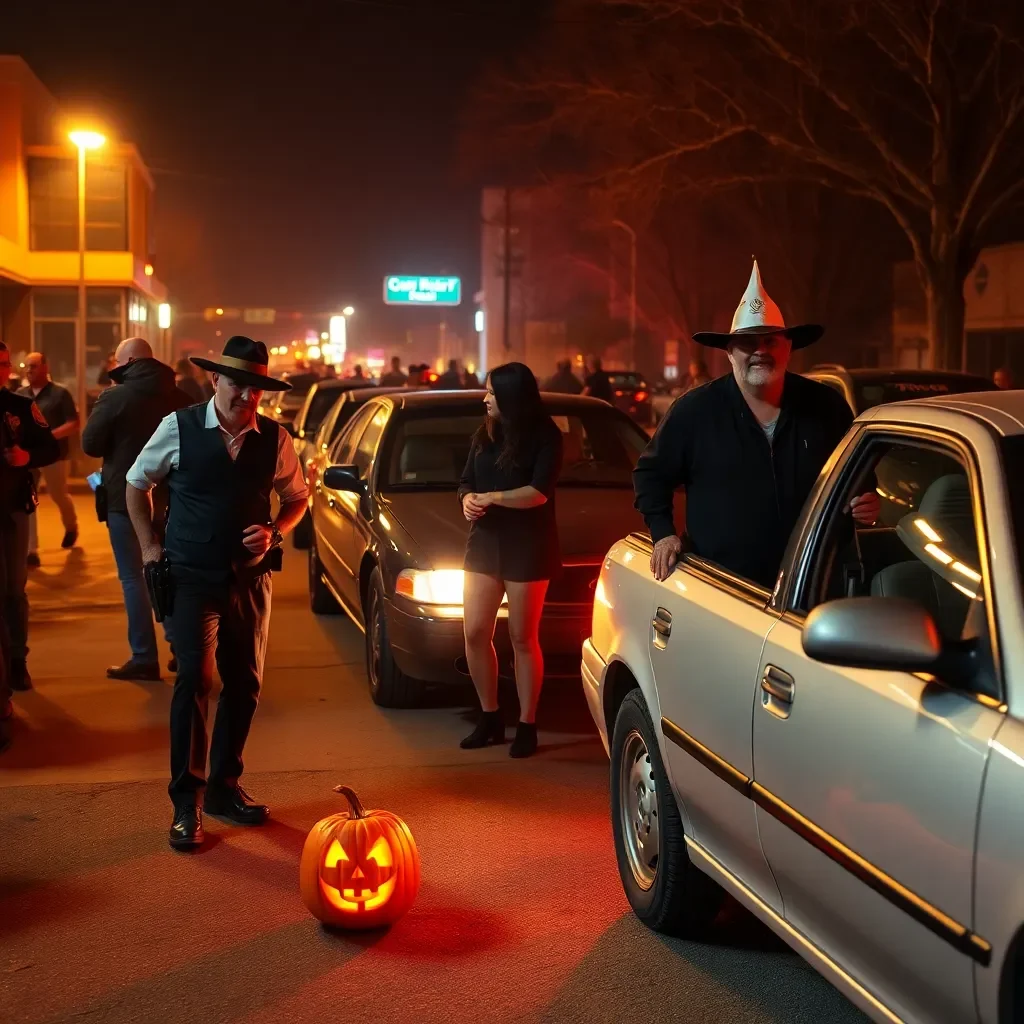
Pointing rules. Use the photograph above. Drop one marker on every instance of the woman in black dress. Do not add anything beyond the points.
(508, 494)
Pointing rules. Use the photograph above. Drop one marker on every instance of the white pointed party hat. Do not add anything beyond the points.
(757, 313)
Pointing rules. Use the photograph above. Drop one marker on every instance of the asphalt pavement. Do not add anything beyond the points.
(520, 916)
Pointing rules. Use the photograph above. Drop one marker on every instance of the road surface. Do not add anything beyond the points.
(520, 917)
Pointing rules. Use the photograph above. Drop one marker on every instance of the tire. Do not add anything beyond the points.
(389, 686)
(302, 535)
(321, 600)
(667, 893)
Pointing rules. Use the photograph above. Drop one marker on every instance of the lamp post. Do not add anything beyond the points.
(84, 141)
(632, 290)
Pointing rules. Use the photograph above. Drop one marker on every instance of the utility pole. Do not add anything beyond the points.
(632, 290)
(507, 270)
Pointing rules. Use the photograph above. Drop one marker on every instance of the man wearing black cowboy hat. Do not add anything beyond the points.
(221, 461)
(747, 448)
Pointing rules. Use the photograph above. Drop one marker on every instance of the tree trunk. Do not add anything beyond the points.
(944, 295)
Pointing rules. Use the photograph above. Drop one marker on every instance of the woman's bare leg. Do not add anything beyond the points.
(525, 605)
(482, 600)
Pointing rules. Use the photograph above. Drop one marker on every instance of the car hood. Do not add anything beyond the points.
(590, 521)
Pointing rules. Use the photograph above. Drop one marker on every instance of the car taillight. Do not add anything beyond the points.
(640, 396)
(619, 394)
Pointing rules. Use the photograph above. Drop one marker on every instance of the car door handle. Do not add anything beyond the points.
(779, 684)
(662, 622)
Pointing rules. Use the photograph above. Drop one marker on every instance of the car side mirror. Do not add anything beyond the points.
(344, 478)
(886, 633)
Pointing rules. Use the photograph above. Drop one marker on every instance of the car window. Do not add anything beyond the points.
(343, 452)
(318, 405)
(925, 547)
(600, 448)
(366, 447)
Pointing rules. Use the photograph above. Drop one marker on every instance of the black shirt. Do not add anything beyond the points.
(22, 425)
(57, 405)
(599, 385)
(515, 544)
(744, 493)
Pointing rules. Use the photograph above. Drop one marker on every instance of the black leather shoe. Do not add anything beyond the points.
(234, 806)
(187, 830)
(132, 669)
(70, 539)
(20, 679)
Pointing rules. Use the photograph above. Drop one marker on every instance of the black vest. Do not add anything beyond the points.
(212, 498)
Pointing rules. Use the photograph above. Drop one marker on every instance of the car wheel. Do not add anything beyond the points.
(302, 535)
(390, 687)
(321, 600)
(663, 887)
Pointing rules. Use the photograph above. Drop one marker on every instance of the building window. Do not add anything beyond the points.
(54, 325)
(53, 205)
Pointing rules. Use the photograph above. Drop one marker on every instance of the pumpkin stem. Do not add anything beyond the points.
(353, 801)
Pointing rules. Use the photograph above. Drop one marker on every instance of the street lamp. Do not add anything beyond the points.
(348, 311)
(85, 141)
(632, 290)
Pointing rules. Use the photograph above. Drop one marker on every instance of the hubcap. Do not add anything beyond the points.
(638, 809)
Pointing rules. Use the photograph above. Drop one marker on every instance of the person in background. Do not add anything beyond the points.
(122, 421)
(185, 379)
(58, 407)
(205, 384)
(414, 375)
(1003, 379)
(451, 379)
(26, 444)
(103, 380)
(698, 374)
(598, 384)
(357, 372)
(394, 378)
(507, 491)
(470, 381)
(564, 381)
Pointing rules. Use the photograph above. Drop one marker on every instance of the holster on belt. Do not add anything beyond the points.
(161, 587)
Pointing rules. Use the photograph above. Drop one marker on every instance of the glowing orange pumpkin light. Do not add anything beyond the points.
(359, 869)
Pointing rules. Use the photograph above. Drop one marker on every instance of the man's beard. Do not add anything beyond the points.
(760, 373)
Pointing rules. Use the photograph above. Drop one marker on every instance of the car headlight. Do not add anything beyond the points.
(433, 586)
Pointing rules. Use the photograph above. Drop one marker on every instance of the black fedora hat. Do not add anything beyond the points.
(245, 361)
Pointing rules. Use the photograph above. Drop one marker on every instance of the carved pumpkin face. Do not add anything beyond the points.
(359, 869)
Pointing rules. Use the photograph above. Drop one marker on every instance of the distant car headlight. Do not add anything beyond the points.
(433, 586)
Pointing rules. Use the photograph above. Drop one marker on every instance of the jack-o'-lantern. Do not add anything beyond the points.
(359, 869)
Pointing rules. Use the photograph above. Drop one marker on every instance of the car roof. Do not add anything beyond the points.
(890, 373)
(1003, 411)
(439, 399)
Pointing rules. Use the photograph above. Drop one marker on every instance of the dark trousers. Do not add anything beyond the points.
(13, 602)
(229, 622)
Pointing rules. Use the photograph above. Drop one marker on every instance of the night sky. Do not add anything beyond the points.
(300, 156)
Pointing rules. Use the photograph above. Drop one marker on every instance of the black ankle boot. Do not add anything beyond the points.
(525, 743)
(490, 729)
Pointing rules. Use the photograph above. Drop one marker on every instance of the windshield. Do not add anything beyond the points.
(627, 380)
(870, 393)
(600, 449)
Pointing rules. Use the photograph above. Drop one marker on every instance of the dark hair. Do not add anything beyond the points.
(521, 413)
(3, 347)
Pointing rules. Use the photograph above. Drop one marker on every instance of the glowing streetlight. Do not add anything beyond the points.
(84, 140)
(348, 311)
(163, 315)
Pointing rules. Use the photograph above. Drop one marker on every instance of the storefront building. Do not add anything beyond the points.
(39, 236)
(994, 296)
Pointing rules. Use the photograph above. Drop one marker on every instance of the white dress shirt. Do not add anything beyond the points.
(162, 454)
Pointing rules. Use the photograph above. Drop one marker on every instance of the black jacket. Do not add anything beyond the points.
(24, 426)
(124, 419)
(744, 494)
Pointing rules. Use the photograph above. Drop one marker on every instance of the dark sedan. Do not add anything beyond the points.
(389, 534)
(865, 388)
(632, 395)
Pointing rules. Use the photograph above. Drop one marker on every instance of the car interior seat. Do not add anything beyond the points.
(946, 508)
(428, 460)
